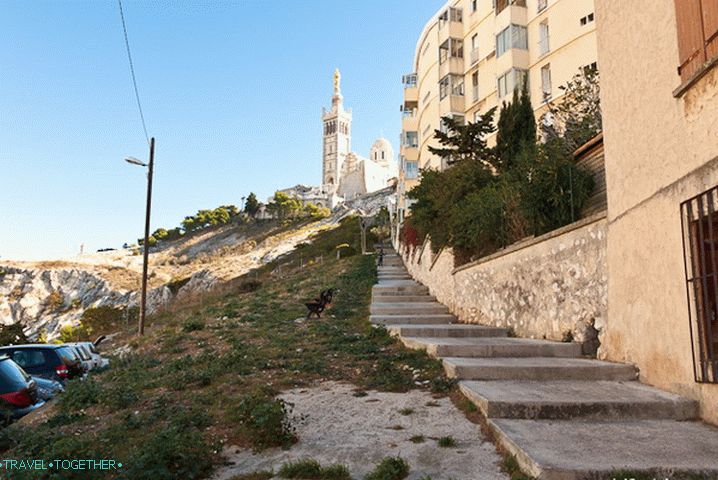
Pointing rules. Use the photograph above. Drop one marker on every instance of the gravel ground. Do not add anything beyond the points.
(358, 432)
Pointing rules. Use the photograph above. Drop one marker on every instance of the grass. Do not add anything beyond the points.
(208, 370)
(310, 469)
(446, 442)
(417, 439)
(390, 468)
(406, 411)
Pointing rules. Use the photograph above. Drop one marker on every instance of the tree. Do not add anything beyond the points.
(516, 129)
(575, 117)
(467, 141)
(283, 206)
(12, 334)
(251, 205)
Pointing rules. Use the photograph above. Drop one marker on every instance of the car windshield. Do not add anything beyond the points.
(12, 377)
(67, 355)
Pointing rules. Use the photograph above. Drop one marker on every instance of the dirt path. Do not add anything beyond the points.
(340, 428)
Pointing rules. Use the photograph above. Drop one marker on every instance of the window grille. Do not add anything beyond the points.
(699, 217)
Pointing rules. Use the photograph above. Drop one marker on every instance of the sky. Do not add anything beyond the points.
(231, 90)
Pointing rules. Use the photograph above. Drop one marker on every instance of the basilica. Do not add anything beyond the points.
(346, 175)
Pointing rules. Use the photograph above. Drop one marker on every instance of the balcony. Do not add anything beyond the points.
(451, 23)
(503, 4)
(475, 57)
(452, 104)
(409, 120)
(452, 65)
(411, 91)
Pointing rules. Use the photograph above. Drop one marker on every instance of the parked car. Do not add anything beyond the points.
(55, 362)
(97, 360)
(47, 389)
(18, 391)
(83, 354)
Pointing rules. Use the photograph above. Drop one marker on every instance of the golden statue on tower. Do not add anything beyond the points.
(337, 82)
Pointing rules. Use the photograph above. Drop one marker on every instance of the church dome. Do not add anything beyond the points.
(382, 151)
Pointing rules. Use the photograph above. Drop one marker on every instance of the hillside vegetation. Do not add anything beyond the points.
(208, 370)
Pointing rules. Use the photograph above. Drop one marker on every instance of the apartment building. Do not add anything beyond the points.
(472, 55)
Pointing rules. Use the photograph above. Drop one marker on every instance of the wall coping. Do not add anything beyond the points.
(534, 241)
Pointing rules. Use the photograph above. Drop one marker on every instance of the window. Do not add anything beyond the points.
(591, 67)
(451, 85)
(475, 86)
(427, 95)
(412, 169)
(511, 80)
(697, 25)
(474, 48)
(500, 5)
(546, 82)
(474, 5)
(411, 139)
(513, 36)
(587, 19)
(452, 47)
(450, 15)
(409, 80)
(544, 46)
(700, 240)
(542, 4)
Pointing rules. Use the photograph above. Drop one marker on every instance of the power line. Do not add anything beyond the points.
(132, 71)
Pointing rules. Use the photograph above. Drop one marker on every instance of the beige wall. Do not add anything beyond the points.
(543, 288)
(660, 151)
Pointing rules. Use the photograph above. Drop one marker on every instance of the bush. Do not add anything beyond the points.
(390, 468)
(80, 394)
(193, 325)
(446, 442)
(266, 420)
(172, 452)
(12, 334)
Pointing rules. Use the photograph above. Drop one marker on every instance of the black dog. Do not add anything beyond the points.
(320, 304)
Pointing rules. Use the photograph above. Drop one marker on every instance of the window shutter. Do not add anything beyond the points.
(710, 27)
(690, 36)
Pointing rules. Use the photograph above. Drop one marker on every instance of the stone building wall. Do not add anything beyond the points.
(553, 286)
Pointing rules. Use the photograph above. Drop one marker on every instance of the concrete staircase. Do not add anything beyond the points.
(562, 416)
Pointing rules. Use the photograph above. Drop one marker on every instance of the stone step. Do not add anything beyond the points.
(403, 298)
(536, 368)
(433, 319)
(407, 308)
(493, 347)
(452, 331)
(391, 290)
(573, 449)
(396, 276)
(566, 399)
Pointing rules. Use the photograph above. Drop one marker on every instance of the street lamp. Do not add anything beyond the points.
(146, 245)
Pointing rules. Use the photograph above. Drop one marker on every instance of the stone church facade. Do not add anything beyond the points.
(346, 175)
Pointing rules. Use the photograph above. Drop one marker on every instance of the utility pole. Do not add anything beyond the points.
(143, 305)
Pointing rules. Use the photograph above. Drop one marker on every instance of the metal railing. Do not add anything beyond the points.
(475, 56)
(699, 217)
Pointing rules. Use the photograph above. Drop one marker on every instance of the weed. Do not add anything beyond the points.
(390, 468)
(302, 469)
(432, 403)
(406, 411)
(446, 442)
(442, 384)
(310, 469)
(266, 420)
(193, 325)
(263, 475)
(417, 439)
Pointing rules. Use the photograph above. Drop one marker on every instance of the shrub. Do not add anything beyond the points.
(266, 420)
(12, 334)
(80, 394)
(303, 469)
(170, 453)
(193, 325)
(446, 442)
(55, 301)
(390, 468)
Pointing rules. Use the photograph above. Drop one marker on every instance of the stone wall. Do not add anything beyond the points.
(553, 286)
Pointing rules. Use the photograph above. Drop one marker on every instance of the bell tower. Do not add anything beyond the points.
(337, 137)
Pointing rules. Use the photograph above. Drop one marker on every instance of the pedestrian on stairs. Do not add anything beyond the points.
(380, 261)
